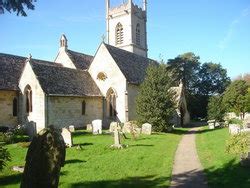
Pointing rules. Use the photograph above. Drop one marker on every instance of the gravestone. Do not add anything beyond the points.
(127, 127)
(234, 129)
(97, 126)
(211, 124)
(66, 134)
(113, 125)
(72, 128)
(89, 127)
(146, 129)
(44, 159)
(117, 139)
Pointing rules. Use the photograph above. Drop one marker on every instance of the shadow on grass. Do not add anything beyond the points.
(144, 145)
(231, 174)
(10, 180)
(81, 133)
(72, 161)
(138, 182)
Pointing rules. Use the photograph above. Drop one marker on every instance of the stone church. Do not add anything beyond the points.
(78, 88)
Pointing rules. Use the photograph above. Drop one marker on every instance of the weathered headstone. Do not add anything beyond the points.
(234, 129)
(72, 128)
(44, 159)
(117, 139)
(127, 127)
(211, 124)
(97, 126)
(146, 129)
(89, 127)
(66, 134)
(113, 125)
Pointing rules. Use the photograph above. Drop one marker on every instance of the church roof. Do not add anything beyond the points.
(61, 81)
(132, 65)
(80, 60)
(11, 68)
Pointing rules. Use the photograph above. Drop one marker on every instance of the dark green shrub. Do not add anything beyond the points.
(4, 157)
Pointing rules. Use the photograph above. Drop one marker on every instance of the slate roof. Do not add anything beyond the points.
(61, 81)
(80, 60)
(132, 65)
(11, 68)
(53, 77)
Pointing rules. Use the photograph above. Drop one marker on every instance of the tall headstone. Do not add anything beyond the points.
(97, 126)
(117, 139)
(44, 159)
(146, 129)
(66, 134)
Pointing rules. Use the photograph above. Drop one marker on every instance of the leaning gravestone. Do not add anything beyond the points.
(146, 129)
(66, 134)
(97, 126)
(44, 159)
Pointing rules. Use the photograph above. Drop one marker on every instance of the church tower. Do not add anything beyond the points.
(126, 27)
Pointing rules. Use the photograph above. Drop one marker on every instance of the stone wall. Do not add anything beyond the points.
(38, 99)
(103, 62)
(65, 111)
(6, 108)
(132, 94)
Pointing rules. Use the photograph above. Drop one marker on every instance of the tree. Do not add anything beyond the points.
(216, 109)
(213, 79)
(235, 97)
(245, 77)
(16, 6)
(184, 67)
(154, 103)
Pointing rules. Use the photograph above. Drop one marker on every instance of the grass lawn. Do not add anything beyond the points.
(222, 169)
(147, 162)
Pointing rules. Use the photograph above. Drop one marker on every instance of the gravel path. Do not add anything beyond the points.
(187, 170)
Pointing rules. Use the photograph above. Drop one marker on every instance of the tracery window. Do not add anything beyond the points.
(138, 34)
(119, 34)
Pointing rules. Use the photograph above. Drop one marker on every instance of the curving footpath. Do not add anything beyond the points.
(187, 170)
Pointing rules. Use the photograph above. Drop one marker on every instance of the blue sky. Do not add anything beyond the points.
(216, 30)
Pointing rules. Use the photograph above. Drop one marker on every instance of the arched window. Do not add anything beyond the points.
(83, 107)
(119, 34)
(28, 95)
(111, 103)
(15, 107)
(138, 34)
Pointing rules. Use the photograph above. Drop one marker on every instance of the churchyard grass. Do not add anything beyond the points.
(146, 162)
(222, 169)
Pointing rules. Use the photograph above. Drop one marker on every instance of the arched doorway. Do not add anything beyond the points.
(111, 104)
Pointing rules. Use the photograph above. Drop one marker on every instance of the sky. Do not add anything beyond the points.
(216, 30)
